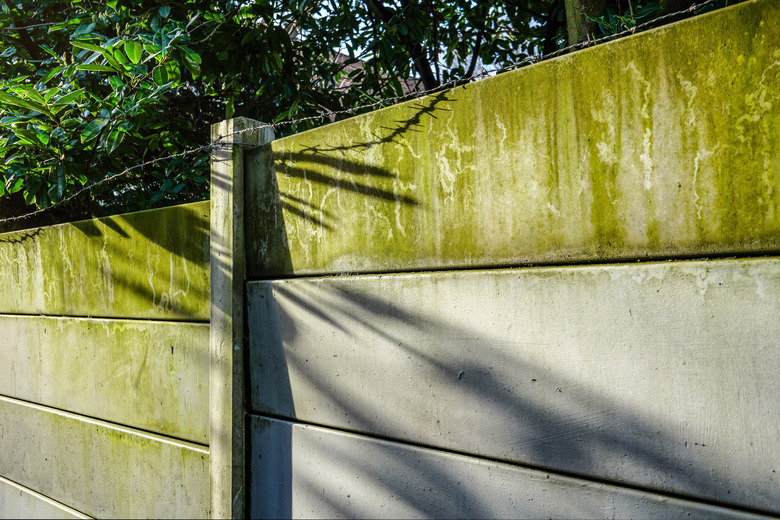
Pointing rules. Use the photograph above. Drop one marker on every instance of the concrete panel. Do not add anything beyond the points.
(101, 469)
(152, 264)
(152, 375)
(661, 375)
(309, 472)
(19, 502)
(662, 144)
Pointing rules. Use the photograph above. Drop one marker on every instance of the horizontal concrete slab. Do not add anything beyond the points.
(309, 472)
(19, 502)
(152, 375)
(101, 469)
(152, 264)
(662, 144)
(661, 375)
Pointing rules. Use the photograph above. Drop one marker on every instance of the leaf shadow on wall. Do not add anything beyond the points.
(350, 383)
(321, 168)
(344, 354)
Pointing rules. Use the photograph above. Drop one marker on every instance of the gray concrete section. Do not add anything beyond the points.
(19, 502)
(309, 472)
(146, 374)
(661, 375)
(101, 469)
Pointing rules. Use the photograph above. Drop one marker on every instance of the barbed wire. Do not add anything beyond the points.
(221, 140)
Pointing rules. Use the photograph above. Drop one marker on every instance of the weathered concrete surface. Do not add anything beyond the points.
(152, 264)
(310, 472)
(101, 469)
(152, 375)
(661, 375)
(19, 502)
(662, 144)
(226, 351)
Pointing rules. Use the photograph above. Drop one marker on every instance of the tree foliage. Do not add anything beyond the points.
(90, 89)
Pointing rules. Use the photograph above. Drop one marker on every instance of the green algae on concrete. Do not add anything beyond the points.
(152, 375)
(102, 469)
(663, 144)
(151, 264)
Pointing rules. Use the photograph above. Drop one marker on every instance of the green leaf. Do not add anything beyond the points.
(50, 93)
(43, 137)
(27, 137)
(88, 46)
(10, 51)
(134, 51)
(115, 138)
(151, 49)
(30, 93)
(116, 83)
(23, 103)
(65, 24)
(173, 71)
(14, 186)
(164, 11)
(69, 98)
(93, 129)
(160, 75)
(102, 51)
(95, 68)
(49, 75)
(84, 28)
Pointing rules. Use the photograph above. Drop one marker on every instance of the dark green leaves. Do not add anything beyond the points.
(93, 129)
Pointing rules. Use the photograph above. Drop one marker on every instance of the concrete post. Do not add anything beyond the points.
(226, 394)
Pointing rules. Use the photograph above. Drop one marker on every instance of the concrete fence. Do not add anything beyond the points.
(105, 371)
(553, 293)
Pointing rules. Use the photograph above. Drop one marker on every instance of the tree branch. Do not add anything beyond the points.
(480, 37)
(414, 49)
(24, 36)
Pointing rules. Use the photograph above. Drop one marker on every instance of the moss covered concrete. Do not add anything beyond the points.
(663, 144)
(151, 264)
(152, 375)
(101, 469)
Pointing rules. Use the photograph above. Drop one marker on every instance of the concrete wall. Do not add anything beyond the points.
(104, 367)
(659, 145)
(388, 377)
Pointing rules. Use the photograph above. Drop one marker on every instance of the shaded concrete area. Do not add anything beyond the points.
(654, 375)
(330, 474)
